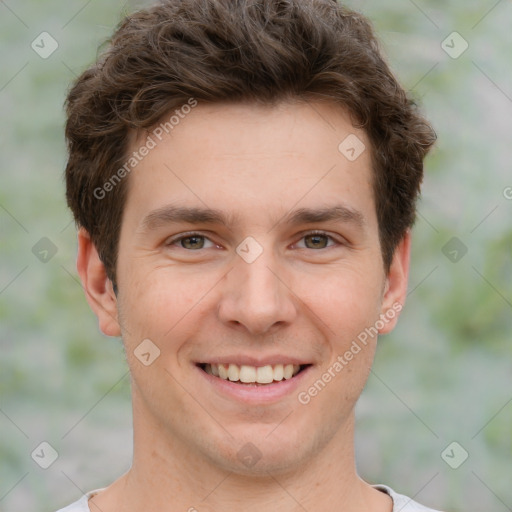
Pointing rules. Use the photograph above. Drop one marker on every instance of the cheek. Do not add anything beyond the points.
(156, 299)
(347, 309)
(345, 302)
(156, 316)
(167, 307)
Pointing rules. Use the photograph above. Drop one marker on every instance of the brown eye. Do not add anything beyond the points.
(192, 242)
(316, 241)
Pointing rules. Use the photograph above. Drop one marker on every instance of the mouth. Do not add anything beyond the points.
(253, 375)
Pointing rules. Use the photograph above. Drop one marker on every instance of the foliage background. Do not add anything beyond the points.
(445, 373)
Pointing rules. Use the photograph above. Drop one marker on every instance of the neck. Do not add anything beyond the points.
(167, 476)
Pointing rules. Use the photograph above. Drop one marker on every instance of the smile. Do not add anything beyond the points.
(246, 374)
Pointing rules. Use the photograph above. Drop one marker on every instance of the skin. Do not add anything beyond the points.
(297, 298)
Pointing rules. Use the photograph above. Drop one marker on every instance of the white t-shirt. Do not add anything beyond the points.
(400, 503)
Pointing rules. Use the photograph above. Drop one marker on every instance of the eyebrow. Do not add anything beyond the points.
(193, 215)
(339, 213)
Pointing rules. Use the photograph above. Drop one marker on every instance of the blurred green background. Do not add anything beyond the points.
(444, 375)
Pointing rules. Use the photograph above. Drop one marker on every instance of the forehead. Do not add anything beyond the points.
(252, 158)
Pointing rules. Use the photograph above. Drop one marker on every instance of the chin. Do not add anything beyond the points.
(261, 450)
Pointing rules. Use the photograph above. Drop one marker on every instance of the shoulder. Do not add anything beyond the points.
(82, 504)
(403, 503)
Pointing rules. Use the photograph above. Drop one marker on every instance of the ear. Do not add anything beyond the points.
(395, 291)
(97, 286)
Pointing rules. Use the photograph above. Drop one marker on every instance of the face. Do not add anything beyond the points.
(249, 262)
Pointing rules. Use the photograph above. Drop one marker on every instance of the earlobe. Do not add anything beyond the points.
(395, 291)
(97, 286)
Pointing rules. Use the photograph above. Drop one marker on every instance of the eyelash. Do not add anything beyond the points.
(192, 234)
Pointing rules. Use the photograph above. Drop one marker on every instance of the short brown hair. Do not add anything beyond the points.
(262, 51)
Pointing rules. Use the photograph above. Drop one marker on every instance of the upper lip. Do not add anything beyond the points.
(247, 360)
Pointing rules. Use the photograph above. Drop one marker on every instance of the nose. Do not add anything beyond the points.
(257, 297)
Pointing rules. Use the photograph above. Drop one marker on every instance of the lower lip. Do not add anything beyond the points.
(253, 394)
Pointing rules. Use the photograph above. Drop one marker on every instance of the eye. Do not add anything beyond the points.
(196, 241)
(317, 240)
(190, 241)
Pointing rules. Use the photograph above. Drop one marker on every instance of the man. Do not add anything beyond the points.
(244, 176)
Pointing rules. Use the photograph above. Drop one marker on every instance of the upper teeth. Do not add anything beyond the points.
(259, 374)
